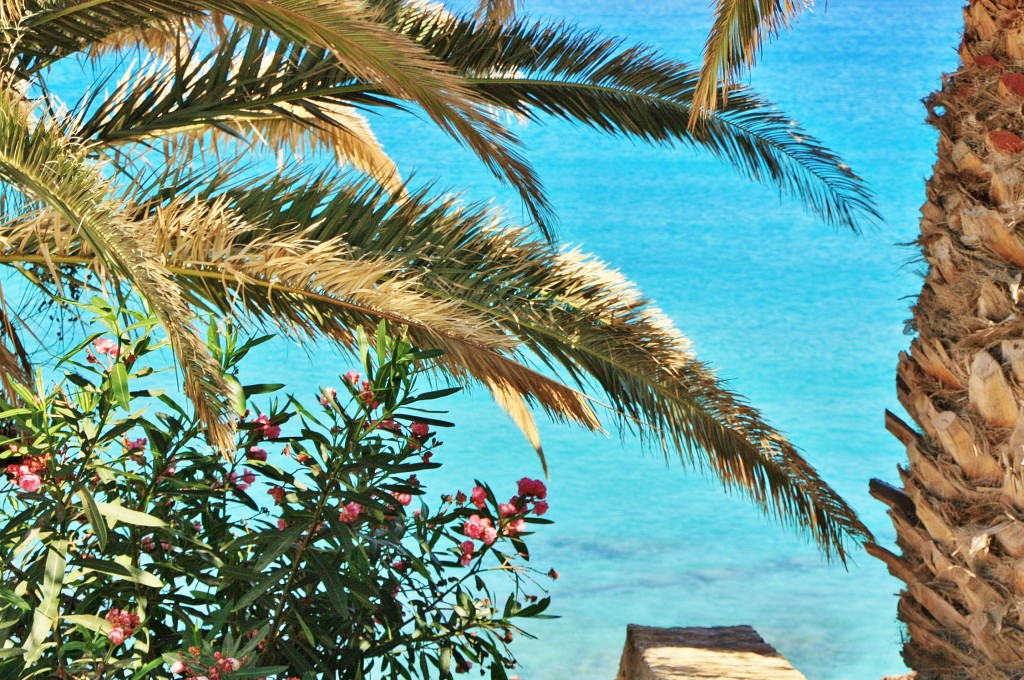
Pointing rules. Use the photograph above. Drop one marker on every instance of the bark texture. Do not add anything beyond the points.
(959, 517)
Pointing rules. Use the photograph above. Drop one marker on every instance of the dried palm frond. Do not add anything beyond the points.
(496, 10)
(51, 169)
(740, 29)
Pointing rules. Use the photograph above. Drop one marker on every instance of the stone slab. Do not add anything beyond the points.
(724, 653)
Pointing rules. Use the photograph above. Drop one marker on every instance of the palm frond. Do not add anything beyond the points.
(53, 171)
(245, 88)
(740, 29)
(496, 11)
(579, 318)
(598, 81)
(360, 45)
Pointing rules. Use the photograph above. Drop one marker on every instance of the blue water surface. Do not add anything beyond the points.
(805, 321)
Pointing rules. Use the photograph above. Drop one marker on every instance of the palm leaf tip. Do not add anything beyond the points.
(738, 32)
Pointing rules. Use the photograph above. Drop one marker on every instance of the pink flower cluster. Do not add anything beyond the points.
(329, 394)
(222, 664)
(256, 453)
(124, 625)
(26, 473)
(350, 512)
(243, 481)
(266, 429)
(511, 515)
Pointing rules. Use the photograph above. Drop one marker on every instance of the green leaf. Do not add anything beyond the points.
(262, 388)
(114, 512)
(49, 602)
(124, 572)
(236, 394)
(90, 621)
(119, 386)
(92, 513)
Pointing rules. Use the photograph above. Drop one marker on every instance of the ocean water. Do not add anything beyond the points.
(805, 321)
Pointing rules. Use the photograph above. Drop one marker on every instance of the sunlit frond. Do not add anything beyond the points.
(52, 170)
(358, 44)
(579, 318)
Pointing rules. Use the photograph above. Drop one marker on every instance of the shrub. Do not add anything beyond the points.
(133, 549)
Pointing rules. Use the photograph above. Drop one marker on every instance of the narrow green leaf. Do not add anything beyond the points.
(125, 572)
(119, 386)
(92, 513)
(118, 513)
(49, 603)
(90, 621)
(236, 394)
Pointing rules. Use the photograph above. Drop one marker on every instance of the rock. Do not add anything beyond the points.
(724, 653)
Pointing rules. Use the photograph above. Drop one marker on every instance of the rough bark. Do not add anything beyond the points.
(959, 517)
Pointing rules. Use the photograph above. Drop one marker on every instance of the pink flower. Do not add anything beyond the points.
(479, 497)
(467, 553)
(29, 481)
(350, 512)
(367, 395)
(532, 487)
(403, 498)
(278, 493)
(427, 456)
(420, 429)
(267, 429)
(390, 425)
(475, 526)
(514, 528)
(147, 544)
(506, 510)
(281, 525)
(489, 535)
(249, 477)
(116, 635)
(135, 444)
(107, 346)
(232, 663)
(352, 377)
(178, 668)
(400, 566)
(256, 453)
(460, 498)
(540, 507)
(330, 394)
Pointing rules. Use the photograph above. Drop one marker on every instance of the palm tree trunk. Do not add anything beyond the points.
(959, 515)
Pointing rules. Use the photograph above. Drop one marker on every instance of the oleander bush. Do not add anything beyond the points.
(134, 549)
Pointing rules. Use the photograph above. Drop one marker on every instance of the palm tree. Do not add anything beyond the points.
(156, 180)
(958, 515)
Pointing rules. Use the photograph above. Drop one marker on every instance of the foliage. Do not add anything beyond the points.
(300, 556)
(156, 179)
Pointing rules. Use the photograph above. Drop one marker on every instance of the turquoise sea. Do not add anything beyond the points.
(807, 322)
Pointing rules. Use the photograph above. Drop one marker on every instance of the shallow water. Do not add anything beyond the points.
(806, 322)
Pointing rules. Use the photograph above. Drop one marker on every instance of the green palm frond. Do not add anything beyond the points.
(576, 316)
(360, 45)
(598, 81)
(739, 31)
(249, 87)
(53, 171)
